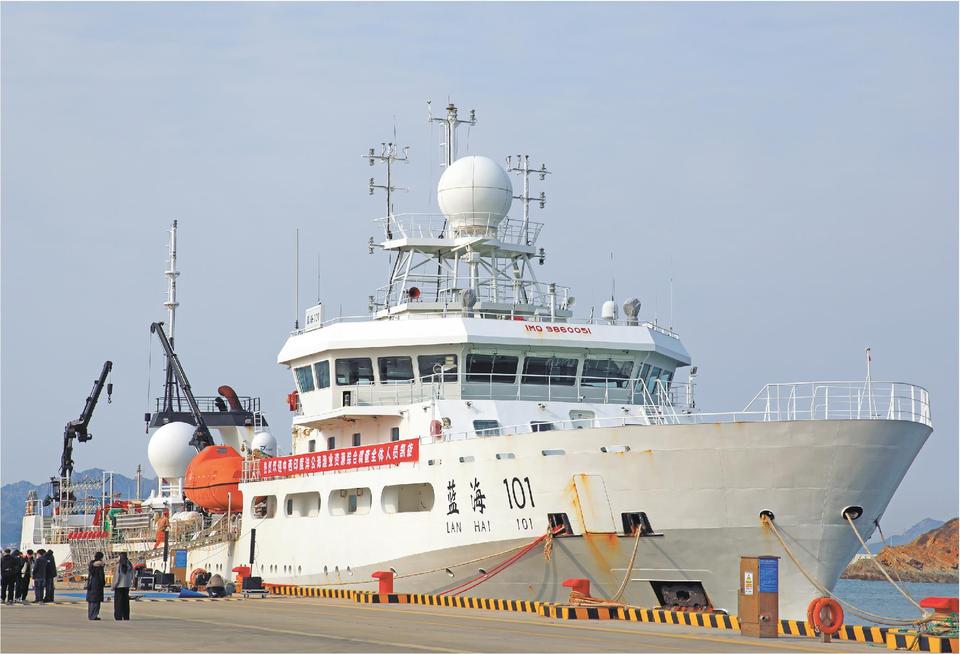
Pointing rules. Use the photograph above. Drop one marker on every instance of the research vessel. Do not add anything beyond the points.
(472, 434)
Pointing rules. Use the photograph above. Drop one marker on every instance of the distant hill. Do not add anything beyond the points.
(930, 557)
(907, 535)
(13, 498)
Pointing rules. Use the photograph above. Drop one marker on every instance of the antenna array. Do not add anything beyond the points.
(450, 123)
(523, 168)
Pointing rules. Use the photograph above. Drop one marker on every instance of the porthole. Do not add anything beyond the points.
(449, 572)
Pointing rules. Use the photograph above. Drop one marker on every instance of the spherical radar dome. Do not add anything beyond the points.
(170, 450)
(264, 441)
(474, 194)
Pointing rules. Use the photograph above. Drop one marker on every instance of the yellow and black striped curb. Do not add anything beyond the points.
(518, 606)
(382, 598)
(311, 591)
(914, 642)
(658, 616)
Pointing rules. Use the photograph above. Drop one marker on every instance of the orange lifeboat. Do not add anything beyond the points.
(212, 478)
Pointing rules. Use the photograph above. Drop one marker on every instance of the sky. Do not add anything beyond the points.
(791, 167)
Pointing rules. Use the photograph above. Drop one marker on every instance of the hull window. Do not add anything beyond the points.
(331, 442)
(541, 425)
(264, 506)
(303, 505)
(349, 501)
(394, 433)
(407, 498)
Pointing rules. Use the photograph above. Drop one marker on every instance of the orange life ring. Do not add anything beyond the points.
(193, 575)
(836, 616)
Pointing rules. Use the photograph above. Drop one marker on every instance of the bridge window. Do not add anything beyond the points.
(354, 371)
(496, 368)
(486, 427)
(606, 373)
(304, 379)
(555, 371)
(652, 380)
(428, 363)
(322, 372)
(395, 369)
(407, 498)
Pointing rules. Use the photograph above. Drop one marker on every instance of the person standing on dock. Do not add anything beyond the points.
(96, 580)
(23, 583)
(39, 576)
(122, 580)
(9, 571)
(51, 577)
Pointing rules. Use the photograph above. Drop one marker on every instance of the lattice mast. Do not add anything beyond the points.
(473, 258)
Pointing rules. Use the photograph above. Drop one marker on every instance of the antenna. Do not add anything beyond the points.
(318, 278)
(296, 284)
(671, 302)
(450, 123)
(523, 168)
(171, 273)
(613, 279)
(388, 154)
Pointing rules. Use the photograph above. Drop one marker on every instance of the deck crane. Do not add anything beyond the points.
(78, 428)
(201, 437)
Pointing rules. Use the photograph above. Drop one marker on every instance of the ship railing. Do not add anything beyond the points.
(438, 226)
(455, 309)
(842, 400)
(213, 403)
(434, 288)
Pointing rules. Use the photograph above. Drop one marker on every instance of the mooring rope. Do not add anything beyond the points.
(878, 564)
(880, 619)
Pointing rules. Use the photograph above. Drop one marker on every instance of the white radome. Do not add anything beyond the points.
(170, 451)
(264, 441)
(475, 194)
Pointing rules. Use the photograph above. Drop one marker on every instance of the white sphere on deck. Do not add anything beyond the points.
(263, 441)
(170, 451)
(475, 194)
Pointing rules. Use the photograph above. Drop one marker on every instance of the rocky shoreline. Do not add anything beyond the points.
(930, 558)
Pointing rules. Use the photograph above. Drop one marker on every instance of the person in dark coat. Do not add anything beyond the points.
(96, 580)
(122, 580)
(51, 576)
(23, 584)
(9, 571)
(39, 576)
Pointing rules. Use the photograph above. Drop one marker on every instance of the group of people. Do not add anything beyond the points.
(16, 570)
(97, 581)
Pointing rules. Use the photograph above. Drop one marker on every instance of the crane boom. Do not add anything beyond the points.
(201, 437)
(78, 428)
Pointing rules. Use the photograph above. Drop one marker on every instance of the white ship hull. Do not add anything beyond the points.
(701, 486)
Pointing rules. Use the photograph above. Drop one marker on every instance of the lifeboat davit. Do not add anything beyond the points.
(212, 478)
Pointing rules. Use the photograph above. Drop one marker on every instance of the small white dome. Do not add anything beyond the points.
(170, 451)
(264, 441)
(475, 194)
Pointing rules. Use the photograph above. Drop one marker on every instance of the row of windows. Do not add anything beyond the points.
(359, 370)
(400, 498)
(355, 441)
(482, 368)
(560, 371)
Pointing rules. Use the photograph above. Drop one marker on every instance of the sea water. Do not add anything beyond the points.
(881, 598)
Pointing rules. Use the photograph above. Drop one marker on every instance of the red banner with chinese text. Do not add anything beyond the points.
(354, 457)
